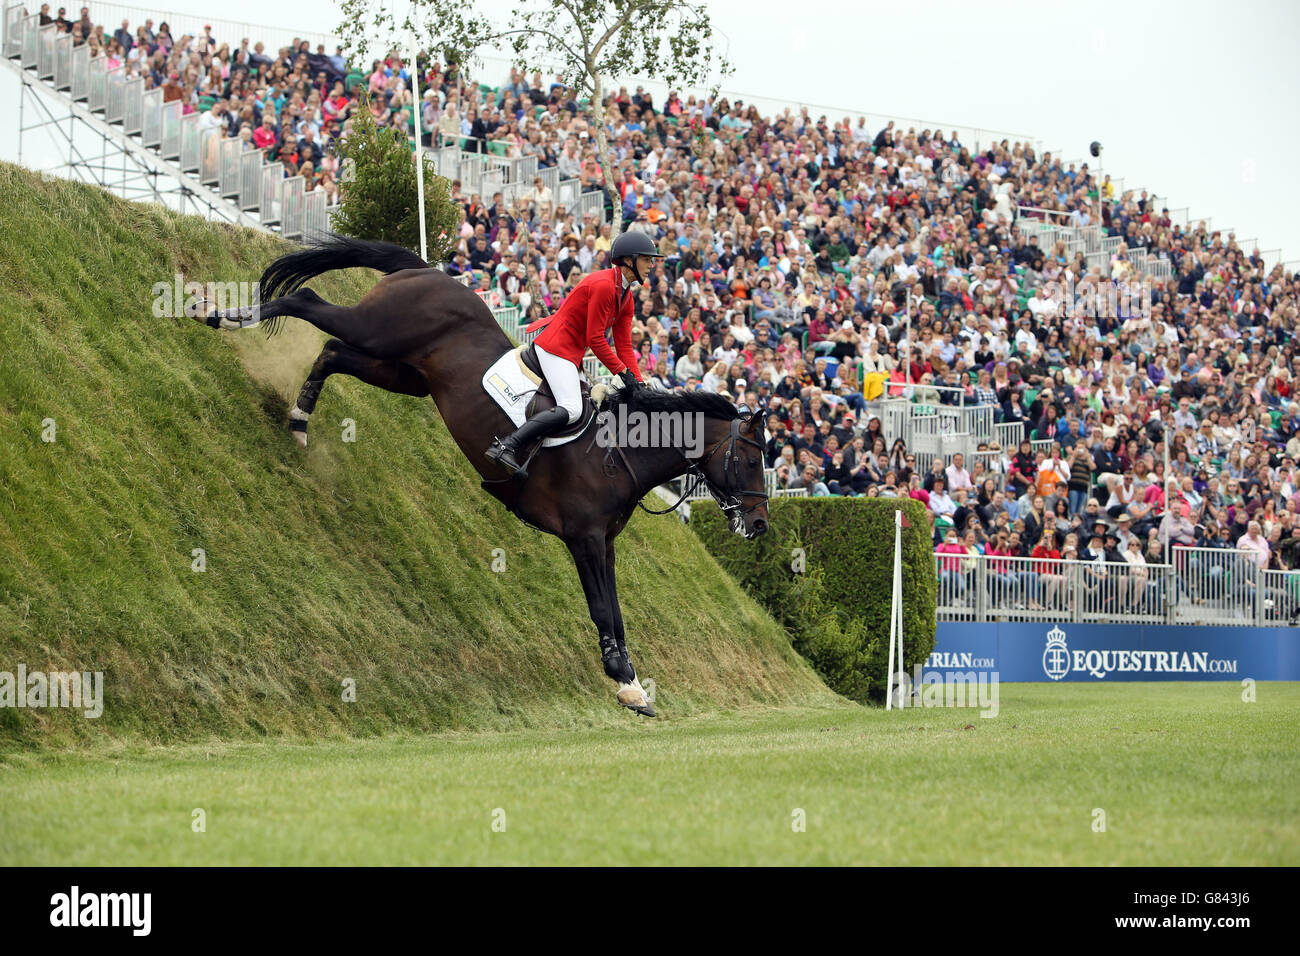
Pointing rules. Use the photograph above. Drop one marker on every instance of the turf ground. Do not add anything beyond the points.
(1185, 774)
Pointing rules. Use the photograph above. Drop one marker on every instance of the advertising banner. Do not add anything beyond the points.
(1046, 651)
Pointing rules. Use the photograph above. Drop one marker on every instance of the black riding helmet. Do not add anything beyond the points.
(629, 245)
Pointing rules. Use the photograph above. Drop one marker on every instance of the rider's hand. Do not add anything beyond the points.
(629, 380)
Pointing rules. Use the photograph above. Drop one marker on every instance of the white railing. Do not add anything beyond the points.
(1280, 591)
(240, 175)
(111, 15)
(1200, 586)
(984, 587)
(1215, 586)
(1009, 435)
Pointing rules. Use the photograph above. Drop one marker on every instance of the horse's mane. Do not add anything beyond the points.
(711, 405)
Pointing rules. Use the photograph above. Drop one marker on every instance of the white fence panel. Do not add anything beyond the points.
(115, 105)
(293, 207)
(317, 214)
(272, 179)
(170, 147)
(63, 61)
(80, 72)
(45, 40)
(191, 143)
(228, 177)
(151, 111)
(133, 106)
(250, 179)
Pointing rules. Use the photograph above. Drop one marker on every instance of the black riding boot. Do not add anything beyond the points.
(538, 427)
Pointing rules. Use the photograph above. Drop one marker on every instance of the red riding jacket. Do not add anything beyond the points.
(596, 304)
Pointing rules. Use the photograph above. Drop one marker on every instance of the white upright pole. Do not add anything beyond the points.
(893, 623)
(894, 599)
(419, 150)
(907, 338)
(898, 600)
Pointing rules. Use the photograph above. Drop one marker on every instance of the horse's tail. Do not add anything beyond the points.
(288, 273)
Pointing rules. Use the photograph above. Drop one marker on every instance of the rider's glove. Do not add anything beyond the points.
(629, 380)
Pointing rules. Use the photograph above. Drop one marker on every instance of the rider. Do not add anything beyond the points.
(600, 301)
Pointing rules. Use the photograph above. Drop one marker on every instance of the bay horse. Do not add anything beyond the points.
(421, 332)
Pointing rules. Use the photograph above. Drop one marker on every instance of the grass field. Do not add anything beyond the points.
(1186, 774)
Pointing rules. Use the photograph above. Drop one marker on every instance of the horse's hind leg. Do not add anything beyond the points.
(341, 321)
(340, 358)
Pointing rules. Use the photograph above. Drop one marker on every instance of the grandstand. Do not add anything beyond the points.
(1091, 391)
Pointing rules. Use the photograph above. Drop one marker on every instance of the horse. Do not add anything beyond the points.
(420, 332)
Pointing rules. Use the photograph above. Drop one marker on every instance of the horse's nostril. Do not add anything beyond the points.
(760, 526)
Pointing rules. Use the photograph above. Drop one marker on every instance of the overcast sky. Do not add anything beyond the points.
(1194, 100)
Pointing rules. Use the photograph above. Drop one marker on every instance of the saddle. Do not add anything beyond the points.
(544, 398)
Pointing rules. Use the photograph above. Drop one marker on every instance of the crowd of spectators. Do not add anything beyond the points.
(795, 247)
(291, 104)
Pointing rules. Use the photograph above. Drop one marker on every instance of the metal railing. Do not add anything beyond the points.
(1009, 435)
(236, 173)
(1216, 587)
(111, 15)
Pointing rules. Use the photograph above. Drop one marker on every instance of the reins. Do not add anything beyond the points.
(729, 501)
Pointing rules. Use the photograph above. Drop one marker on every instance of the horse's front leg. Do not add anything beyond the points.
(643, 704)
(589, 558)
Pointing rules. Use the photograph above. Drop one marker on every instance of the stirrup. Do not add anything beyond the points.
(502, 454)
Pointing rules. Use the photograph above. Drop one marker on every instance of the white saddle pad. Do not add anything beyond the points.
(511, 385)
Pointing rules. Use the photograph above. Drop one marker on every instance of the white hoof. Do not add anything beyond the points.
(296, 414)
(634, 697)
(629, 695)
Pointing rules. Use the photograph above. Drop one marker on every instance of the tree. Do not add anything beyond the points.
(584, 41)
(378, 191)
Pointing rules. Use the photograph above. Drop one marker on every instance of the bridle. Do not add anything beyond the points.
(729, 496)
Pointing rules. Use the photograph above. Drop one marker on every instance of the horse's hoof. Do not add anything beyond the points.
(633, 697)
(298, 425)
(644, 708)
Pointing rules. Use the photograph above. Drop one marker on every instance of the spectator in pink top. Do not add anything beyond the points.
(1254, 542)
(952, 583)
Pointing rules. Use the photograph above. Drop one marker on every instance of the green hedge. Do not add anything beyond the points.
(836, 609)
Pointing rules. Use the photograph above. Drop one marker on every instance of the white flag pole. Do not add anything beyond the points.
(897, 602)
(893, 615)
(419, 148)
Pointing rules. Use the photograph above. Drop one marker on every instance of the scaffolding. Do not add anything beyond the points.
(109, 131)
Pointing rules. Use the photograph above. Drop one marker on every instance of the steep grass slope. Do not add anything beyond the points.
(369, 561)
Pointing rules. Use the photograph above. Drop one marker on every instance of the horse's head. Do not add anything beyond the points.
(733, 466)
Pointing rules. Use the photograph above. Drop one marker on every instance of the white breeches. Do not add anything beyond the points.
(562, 375)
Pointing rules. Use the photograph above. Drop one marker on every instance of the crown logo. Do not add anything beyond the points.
(1056, 636)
